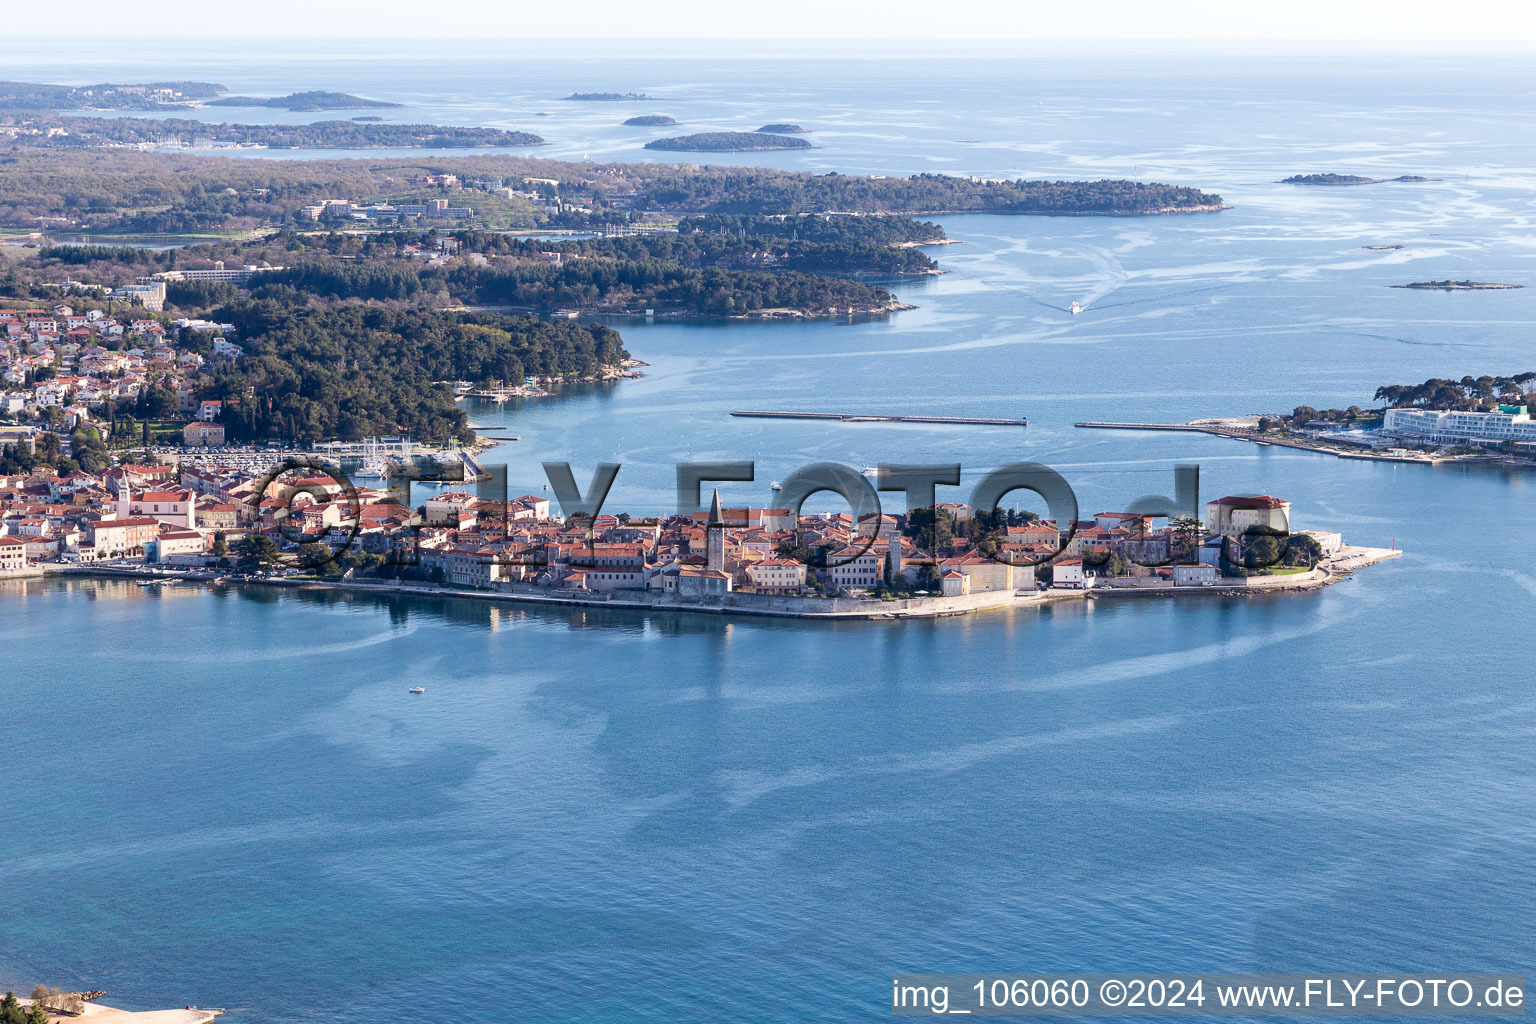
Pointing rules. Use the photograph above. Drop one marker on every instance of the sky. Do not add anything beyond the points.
(1324, 25)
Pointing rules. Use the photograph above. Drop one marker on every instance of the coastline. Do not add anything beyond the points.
(100, 1013)
(1333, 571)
(1235, 433)
(776, 313)
(1458, 286)
(1158, 212)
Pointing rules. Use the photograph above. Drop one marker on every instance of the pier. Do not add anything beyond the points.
(848, 417)
(1192, 428)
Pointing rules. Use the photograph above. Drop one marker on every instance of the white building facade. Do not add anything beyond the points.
(1510, 423)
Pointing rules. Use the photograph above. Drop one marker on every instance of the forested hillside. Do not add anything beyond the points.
(358, 371)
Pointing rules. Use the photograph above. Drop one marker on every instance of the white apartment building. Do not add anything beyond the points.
(1510, 423)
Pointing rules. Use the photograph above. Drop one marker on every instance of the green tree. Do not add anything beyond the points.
(932, 528)
(90, 450)
(318, 557)
(256, 550)
(1303, 550)
(1187, 534)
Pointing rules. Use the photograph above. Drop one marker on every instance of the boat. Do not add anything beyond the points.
(776, 486)
(418, 689)
(1077, 307)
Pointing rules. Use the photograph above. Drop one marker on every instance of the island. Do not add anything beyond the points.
(727, 142)
(782, 128)
(607, 97)
(302, 101)
(647, 120)
(1347, 179)
(1458, 286)
(367, 117)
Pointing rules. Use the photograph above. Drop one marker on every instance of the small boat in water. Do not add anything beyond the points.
(418, 689)
(1077, 307)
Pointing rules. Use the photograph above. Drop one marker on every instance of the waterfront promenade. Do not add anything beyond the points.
(1340, 567)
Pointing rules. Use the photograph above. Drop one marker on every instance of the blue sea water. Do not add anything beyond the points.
(228, 798)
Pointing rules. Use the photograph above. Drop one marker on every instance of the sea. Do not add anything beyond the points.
(227, 797)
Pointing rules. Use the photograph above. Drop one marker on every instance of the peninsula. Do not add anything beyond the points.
(313, 100)
(1475, 419)
(105, 96)
(727, 142)
(67, 132)
(923, 563)
(176, 193)
(709, 266)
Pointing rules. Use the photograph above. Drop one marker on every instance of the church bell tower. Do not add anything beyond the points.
(714, 534)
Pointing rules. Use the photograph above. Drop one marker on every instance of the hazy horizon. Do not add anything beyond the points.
(809, 27)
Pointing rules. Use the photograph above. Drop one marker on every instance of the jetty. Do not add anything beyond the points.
(854, 417)
(1192, 428)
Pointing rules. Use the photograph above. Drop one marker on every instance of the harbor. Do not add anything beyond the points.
(852, 417)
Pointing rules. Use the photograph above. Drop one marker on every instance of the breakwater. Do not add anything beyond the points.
(853, 417)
